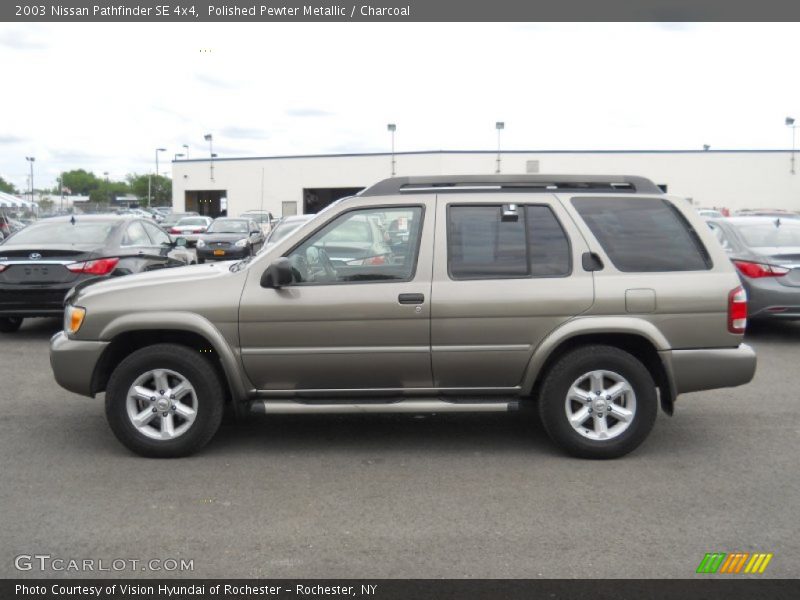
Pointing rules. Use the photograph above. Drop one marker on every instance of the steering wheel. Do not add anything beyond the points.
(327, 264)
(299, 267)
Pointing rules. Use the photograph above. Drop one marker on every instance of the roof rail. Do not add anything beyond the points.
(528, 183)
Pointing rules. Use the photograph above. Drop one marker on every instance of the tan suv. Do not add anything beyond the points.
(592, 298)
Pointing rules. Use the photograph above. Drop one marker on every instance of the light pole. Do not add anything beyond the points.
(391, 128)
(499, 125)
(178, 156)
(31, 160)
(108, 191)
(155, 191)
(210, 139)
(186, 146)
(790, 123)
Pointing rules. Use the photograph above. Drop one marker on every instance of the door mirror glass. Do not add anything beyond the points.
(278, 274)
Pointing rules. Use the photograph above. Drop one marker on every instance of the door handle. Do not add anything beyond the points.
(411, 298)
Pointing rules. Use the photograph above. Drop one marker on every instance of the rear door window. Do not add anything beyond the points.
(481, 245)
(643, 235)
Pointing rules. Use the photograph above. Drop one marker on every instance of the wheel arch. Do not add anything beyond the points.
(643, 342)
(130, 333)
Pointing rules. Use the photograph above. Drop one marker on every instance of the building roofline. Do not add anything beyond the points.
(489, 152)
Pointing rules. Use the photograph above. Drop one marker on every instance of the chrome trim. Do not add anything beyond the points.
(384, 391)
(404, 406)
(337, 350)
(38, 262)
(484, 348)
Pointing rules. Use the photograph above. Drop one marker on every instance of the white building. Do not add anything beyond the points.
(286, 185)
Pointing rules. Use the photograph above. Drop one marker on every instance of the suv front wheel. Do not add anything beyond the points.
(164, 401)
(598, 402)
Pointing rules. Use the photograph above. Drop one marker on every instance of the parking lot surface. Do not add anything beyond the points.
(462, 496)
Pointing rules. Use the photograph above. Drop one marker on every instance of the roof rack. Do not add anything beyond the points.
(513, 183)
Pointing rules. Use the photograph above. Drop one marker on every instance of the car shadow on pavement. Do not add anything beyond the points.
(35, 329)
(455, 432)
(778, 332)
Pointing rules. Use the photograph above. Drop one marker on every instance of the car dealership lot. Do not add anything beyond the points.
(398, 496)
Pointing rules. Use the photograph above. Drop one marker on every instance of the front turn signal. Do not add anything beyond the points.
(73, 318)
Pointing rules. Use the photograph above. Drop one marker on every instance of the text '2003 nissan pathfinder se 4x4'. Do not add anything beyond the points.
(593, 297)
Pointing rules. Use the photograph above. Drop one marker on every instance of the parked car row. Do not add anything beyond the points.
(42, 262)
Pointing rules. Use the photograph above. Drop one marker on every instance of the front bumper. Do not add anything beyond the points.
(73, 362)
(231, 253)
(709, 368)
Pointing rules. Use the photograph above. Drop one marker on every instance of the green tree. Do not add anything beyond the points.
(7, 187)
(158, 187)
(80, 181)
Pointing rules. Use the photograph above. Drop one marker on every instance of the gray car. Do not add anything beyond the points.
(766, 253)
(588, 299)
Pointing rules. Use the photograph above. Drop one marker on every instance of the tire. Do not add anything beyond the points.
(201, 261)
(204, 396)
(10, 324)
(570, 387)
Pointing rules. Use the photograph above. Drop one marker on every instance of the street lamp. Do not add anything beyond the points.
(178, 156)
(210, 139)
(108, 191)
(31, 160)
(790, 123)
(499, 125)
(155, 191)
(391, 128)
(186, 146)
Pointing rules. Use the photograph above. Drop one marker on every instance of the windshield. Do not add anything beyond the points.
(768, 235)
(228, 226)
(192, 221)
(284, 229)
(64, 232)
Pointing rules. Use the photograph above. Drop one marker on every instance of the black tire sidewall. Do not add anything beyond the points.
(10, 324)
(577, 363)
(190, 365)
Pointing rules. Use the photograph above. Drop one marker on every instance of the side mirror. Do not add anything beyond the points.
(180, 242)
(278, 274)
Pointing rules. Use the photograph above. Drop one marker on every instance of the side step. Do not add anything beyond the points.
(291, 407)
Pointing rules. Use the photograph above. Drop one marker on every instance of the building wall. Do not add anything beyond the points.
(733, 179)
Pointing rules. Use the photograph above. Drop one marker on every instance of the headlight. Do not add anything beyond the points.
(201, 244)
(242, 243)
(73, 318)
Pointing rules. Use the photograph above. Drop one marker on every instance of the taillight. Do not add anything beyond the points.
(3, 268)
(198, 230)
(101, 266)
(174, 230)
(375, 260)
(737, 310)
(755, 270)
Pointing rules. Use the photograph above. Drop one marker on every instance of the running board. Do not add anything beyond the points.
(290, 407)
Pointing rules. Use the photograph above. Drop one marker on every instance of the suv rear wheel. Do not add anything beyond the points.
(10, 324)
(598, 402)
(164, 401)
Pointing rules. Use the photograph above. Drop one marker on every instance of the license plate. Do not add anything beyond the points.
(219, 252)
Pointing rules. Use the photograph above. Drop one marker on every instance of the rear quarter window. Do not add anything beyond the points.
(642, 235)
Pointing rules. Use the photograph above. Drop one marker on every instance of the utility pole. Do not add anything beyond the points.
(210, 139)
(499, 125)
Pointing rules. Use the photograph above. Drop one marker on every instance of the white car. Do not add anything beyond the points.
(191, 228)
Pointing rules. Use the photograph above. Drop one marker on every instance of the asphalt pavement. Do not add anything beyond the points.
(461, 496)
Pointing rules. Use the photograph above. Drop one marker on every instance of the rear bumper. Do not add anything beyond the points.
(32, 301)
(709, 368)
(73, 362)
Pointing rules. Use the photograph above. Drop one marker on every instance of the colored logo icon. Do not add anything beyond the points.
(735, 562)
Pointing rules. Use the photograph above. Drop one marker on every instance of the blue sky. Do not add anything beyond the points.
(104, 96)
